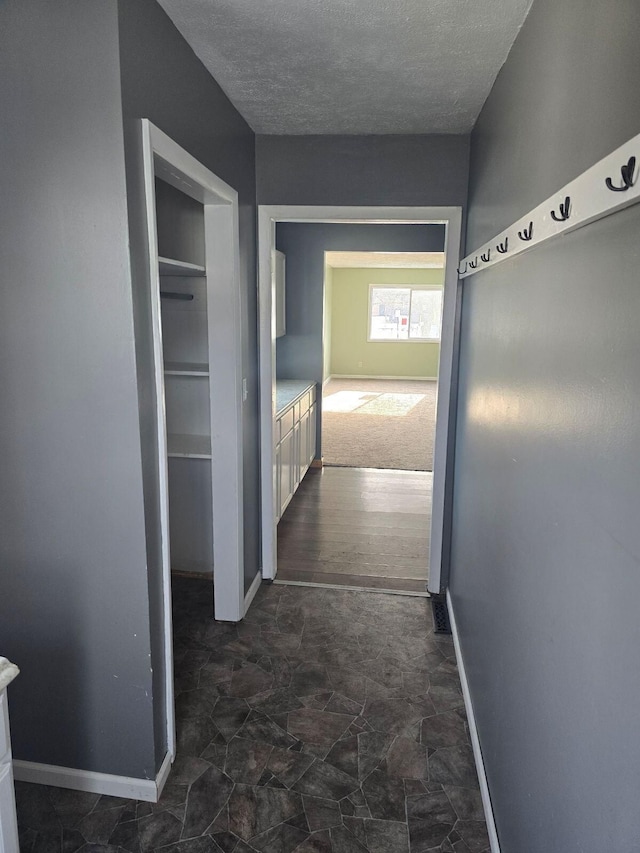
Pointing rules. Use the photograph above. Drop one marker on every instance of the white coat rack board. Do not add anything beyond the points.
(608, 186)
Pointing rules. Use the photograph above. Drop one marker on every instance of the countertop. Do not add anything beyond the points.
(288, 390)
(8, 672)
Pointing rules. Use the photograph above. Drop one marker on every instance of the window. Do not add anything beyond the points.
(410, 313)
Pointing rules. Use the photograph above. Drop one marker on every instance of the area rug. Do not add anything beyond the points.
(379, 423)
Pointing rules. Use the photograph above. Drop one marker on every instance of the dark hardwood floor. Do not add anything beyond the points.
(361, 527)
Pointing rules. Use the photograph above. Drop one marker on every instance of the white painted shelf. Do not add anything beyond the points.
(177, 368)
(189, 446)
(170, 267)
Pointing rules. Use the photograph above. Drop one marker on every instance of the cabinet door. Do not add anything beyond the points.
(312, 434)
(286, 470)
(297, 468)
(278, 466)
(303, 448)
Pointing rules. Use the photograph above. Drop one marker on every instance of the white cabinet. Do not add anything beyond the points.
(278, 269)
(8, 822)
(303, 446)
(295, 437)
(312, 432)
(286, 472)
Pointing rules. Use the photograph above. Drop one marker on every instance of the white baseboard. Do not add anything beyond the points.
(473, 731)
(369, 376)
(251, 592)
(92, 782)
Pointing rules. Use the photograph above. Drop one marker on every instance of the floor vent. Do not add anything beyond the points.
(441, 624)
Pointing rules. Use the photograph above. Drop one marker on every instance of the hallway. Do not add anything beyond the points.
(358, 527)
(328, 721)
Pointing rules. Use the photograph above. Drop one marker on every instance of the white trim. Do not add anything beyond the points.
(443, 444)
(424, 594)
(590, 200)
(251, 592)
(161, 424)
(148, 790)
(222, 246)
(267, 358)
(162, 157)
(371, 376)
(473, 731)
(225, 360)
(163, 774)
(268, 215)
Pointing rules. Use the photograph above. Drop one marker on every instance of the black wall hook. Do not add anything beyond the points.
(462, 272)
(627, 177)
(503, 247)
(565, 211)
(474, 264)
(527, 234)
(486, 256)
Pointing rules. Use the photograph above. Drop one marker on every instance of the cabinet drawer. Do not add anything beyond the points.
(286, 422)
(312, 394)
(4, 729)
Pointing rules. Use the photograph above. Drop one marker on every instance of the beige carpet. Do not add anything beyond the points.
(379, 423)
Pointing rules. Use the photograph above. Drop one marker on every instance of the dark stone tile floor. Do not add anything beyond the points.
(328, 721)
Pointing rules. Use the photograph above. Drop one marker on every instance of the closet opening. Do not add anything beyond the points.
(190, 365)
(187, 392)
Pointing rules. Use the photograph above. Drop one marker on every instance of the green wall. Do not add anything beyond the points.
(351, 353)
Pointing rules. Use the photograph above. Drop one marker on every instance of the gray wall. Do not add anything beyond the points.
(350, 170)
(162, 80)
(299, 354)
(546, 544)
(73, 596)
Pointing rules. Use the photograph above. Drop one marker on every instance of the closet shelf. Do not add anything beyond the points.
(170, 267)
(185, 368)
(189, 446)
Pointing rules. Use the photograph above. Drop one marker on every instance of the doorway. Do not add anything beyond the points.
(450, 218)
(188, 346)
(382, 323)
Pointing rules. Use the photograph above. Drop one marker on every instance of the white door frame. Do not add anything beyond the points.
(162, 157)
(451, 217)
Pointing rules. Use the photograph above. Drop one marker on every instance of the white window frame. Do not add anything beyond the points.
(408, 339)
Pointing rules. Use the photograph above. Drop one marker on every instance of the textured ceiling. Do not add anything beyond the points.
(352, 66)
